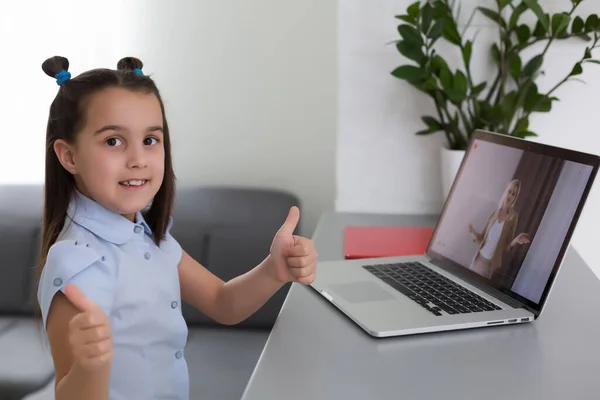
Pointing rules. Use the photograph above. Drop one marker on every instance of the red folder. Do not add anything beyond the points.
(385, 241)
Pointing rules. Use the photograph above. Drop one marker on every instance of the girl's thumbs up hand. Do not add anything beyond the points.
(89, 332)
(294, 257)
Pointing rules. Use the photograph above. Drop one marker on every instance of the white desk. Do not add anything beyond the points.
(315, 352)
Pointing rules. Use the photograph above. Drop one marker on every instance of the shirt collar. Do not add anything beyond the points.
(102, 222)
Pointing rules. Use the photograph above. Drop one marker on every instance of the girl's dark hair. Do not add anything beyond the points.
(66, 119)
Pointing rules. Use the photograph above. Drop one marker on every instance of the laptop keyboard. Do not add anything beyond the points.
(431, 290)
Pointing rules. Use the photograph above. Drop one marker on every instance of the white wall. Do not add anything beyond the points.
(27, 38)
(383, 167)
(250, 87)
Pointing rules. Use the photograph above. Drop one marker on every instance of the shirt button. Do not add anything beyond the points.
(178, 355)
(173, 304)
(137, 229)
(147, 256)
(57, 282)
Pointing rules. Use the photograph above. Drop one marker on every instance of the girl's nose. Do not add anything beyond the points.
(136, 157)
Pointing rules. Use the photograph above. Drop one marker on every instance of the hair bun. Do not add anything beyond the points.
(129, 64)
(53, 65)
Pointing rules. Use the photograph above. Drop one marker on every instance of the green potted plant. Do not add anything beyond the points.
(504, 102)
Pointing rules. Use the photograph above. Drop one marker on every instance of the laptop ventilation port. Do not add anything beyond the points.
(495, 322)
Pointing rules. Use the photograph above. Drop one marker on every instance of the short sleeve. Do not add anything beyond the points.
(171, 246)
(70, 262)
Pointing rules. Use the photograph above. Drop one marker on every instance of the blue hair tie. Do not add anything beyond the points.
(62, 76)
(138, 71)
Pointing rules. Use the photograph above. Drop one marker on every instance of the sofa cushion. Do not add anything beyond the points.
(26, 363)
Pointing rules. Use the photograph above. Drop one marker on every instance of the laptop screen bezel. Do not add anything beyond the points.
(534, 147)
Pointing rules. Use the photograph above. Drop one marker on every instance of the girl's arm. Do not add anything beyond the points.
(73, 381)
(291, 258)
(227, 303)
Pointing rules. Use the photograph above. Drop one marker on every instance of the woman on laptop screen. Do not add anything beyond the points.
(498, 235)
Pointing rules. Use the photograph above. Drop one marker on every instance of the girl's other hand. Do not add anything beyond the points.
(89, 332)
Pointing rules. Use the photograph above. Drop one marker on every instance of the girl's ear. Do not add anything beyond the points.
(64, 153)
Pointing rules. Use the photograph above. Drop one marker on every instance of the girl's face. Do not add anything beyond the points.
(511, 195)
(119, 155)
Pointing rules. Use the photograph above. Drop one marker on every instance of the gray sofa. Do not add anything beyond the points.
(228, 230)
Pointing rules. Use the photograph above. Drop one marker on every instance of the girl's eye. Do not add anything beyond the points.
(113, 142)
(149, 141)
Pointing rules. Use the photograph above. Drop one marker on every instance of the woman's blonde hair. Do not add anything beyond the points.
(516, 183)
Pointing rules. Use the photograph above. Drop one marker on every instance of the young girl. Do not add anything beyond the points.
(113, 277)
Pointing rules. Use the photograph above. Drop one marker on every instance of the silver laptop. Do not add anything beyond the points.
(495, 251)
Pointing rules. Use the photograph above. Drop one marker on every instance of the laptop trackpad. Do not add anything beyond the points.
(359, 292)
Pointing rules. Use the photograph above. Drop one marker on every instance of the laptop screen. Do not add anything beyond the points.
(510, 212)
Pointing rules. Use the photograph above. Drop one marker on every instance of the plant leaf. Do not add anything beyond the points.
(535, 101)
(460, 84)
(411, 51)
(530, 98)
(450, 32)
(478, 89)
(407, 18)
(436, 30)
(593, 61)
(467, 51)
(539, 31)
(525, 134)
(534, 6)
(522, 125)
(410, 34)
(592, 22)
(410, 73)
(428, 85)
(446, 79)
(426, 132)
(585, 36)
(560, 22)
(432, 122)
(544, 105)
(426, 17)
(578, 25)
(515, 67)
(504, 3)
(533, 66)
(414, 10)
(514, 18)
(496, 52)
(509, 103)
(523, 33)
(493, 15)
(438, 64)
(496, 115)
(577, 70)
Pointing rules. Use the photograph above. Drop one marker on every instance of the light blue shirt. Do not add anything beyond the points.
(115, 263)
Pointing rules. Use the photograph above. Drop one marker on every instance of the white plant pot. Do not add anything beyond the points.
(450, 161)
